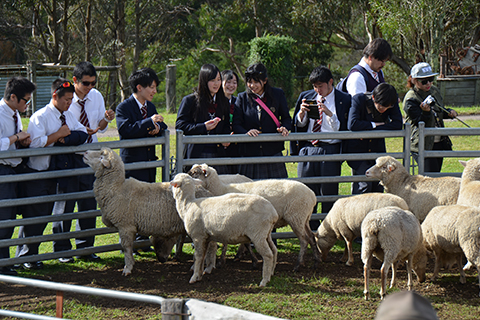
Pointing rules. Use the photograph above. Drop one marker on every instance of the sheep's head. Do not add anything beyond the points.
(324, 239)
(201, 172)
(472, 169)
(183, 183)
(420, 259)
(103, 160)
(384, 169)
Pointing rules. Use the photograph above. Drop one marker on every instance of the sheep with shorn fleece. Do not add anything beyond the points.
(293, 201)
(420, 192)
(232, 218)
(344, 221)
(469, 194)
(392, 234)
(450, 232)
(134, 206)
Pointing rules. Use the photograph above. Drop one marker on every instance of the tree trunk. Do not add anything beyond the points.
(88, 25)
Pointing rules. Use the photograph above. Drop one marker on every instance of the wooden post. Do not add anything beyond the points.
(32, 76)
(171, 88)
(172, 309)
(443, 66)
(59, 304)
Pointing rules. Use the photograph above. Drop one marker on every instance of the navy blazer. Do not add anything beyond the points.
(190, 126)
(245, 118)
(131, 125)
(360, 119)
(343, 102)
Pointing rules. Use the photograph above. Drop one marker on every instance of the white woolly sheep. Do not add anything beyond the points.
(134, 206)
(293, 201)
(231, 218)
(344, 220)
(469, 194)
(449, 231)
(392, 234)
(420, 192)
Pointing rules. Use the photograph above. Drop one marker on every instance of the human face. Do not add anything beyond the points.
(19, 104)
(257, 87)
(375, 64)
(62, 103)
(381, 108)
(215, 84)
(230, 86)
(323, 88)
(424, 87)
(146, 93)
(84, 85)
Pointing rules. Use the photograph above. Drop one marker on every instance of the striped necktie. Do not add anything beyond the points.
(143, 109)
(84, 119)
(15, 120)
(62, 118)
(317, 125)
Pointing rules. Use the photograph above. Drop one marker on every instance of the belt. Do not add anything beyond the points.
(324, 144)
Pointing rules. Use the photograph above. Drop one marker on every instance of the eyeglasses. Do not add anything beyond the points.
(27, 102)
(66, 84)
(89, 83)
(427, 80)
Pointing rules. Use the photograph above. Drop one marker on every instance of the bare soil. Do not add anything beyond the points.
(170, 280)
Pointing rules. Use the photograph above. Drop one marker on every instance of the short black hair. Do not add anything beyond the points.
(60, 87)
(385, 95)
(257, 72)
(379, 49)
(144, 77)
(228, 75)
(84, 68)
(19, 86)
(320, 74)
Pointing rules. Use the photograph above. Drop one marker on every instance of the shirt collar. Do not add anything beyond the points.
(54, 110)
(76, 98)
(5, 106)
(138, 102)
(367, 67)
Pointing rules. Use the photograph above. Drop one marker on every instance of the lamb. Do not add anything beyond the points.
(421, 193)
(470, 183)
(450, 231)
(134, 206)
(344, 220)
(231, 218)
(293, 201)
(392, 234)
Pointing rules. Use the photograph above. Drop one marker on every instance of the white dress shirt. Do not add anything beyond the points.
(7, 129)
(356, 82)
(94, 107)
(329, 124)
(43, 123)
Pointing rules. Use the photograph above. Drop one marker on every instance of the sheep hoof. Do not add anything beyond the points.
(463, 280)
(366, 295)
(382, 296)
(263, 283)
(349, 263)
(468, 266)
(126, 272)
(208, 270)
(195, 278)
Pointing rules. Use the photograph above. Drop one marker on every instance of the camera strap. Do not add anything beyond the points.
(267, 110)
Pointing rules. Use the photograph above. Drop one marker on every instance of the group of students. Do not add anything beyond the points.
(76, 112)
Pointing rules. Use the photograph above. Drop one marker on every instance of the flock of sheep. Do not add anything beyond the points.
(417, 217)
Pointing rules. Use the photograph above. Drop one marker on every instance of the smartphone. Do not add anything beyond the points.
(312, 105)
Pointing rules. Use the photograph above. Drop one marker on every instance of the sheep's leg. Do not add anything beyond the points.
(436, 269)
(305, 237)
(223, 256)
(409, 266)
(383, 277)
(366, 275)
(273, 247)
(394, 274)
(210, 257)
(252, 254)
(263, 248)
(468, 266)
(126, 240)
(179, 246)
(200, 249)
(463, 277)
(349, 250)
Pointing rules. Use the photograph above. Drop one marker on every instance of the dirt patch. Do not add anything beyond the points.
(170, 280)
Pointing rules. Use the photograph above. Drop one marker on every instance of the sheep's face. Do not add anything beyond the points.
(100, 160)
(472, 168)
(183, 182)
(420, 264)
(198, 171)
(382, 167)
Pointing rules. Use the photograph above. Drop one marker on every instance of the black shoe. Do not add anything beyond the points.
(66, 260)
(90, 257)
(8, 271)
(33, 265)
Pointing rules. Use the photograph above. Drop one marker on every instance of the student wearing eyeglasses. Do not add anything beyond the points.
(418, 108)
(49, 126)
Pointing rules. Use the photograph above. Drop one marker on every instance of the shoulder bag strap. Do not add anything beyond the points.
(267, 110)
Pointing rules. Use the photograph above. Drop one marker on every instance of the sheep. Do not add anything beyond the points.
(345, 219)
(293, 201)
(450, 231)
(134, 206)
(420, 192)
(231, 218)
(392, 234)
(470, 183)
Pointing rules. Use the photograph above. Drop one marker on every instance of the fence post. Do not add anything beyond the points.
(166, 157)
(32, 76)
(172, 309)
(171, 88)
(406, 145)
(421, 148)
(179, 153)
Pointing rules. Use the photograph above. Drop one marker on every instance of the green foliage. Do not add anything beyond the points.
(275, 52)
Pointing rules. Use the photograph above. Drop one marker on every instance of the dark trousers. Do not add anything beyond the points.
(320, 169)
(78, 183)
(7, 191)
(34, 188)
(365, 186)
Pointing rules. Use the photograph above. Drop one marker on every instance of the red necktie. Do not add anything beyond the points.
(375, 76)
(62, 118)
(84, 119)
(15, 120)
(317, 125)
(143, 109)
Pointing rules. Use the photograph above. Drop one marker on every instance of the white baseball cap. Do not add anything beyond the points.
(422, 70)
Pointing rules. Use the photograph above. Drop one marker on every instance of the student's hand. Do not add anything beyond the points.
(91, 131)
(303, 109)
(211, 124)
(154, 131)
(253, 133)
(225, 144)
(109, 114)
(453, 114)
(61, 140)
(323, 108)
(425, 107)
(157, 118)
(64, 131)
(24, 138)
(25, 142)
(283, 131)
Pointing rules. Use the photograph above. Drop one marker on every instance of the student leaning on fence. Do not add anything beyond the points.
(18, 92)
(423, 102)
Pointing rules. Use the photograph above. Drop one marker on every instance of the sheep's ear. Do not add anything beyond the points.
(204, 172)
(105, 162)
(174, 184)
(390, 167)
(463, 163)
